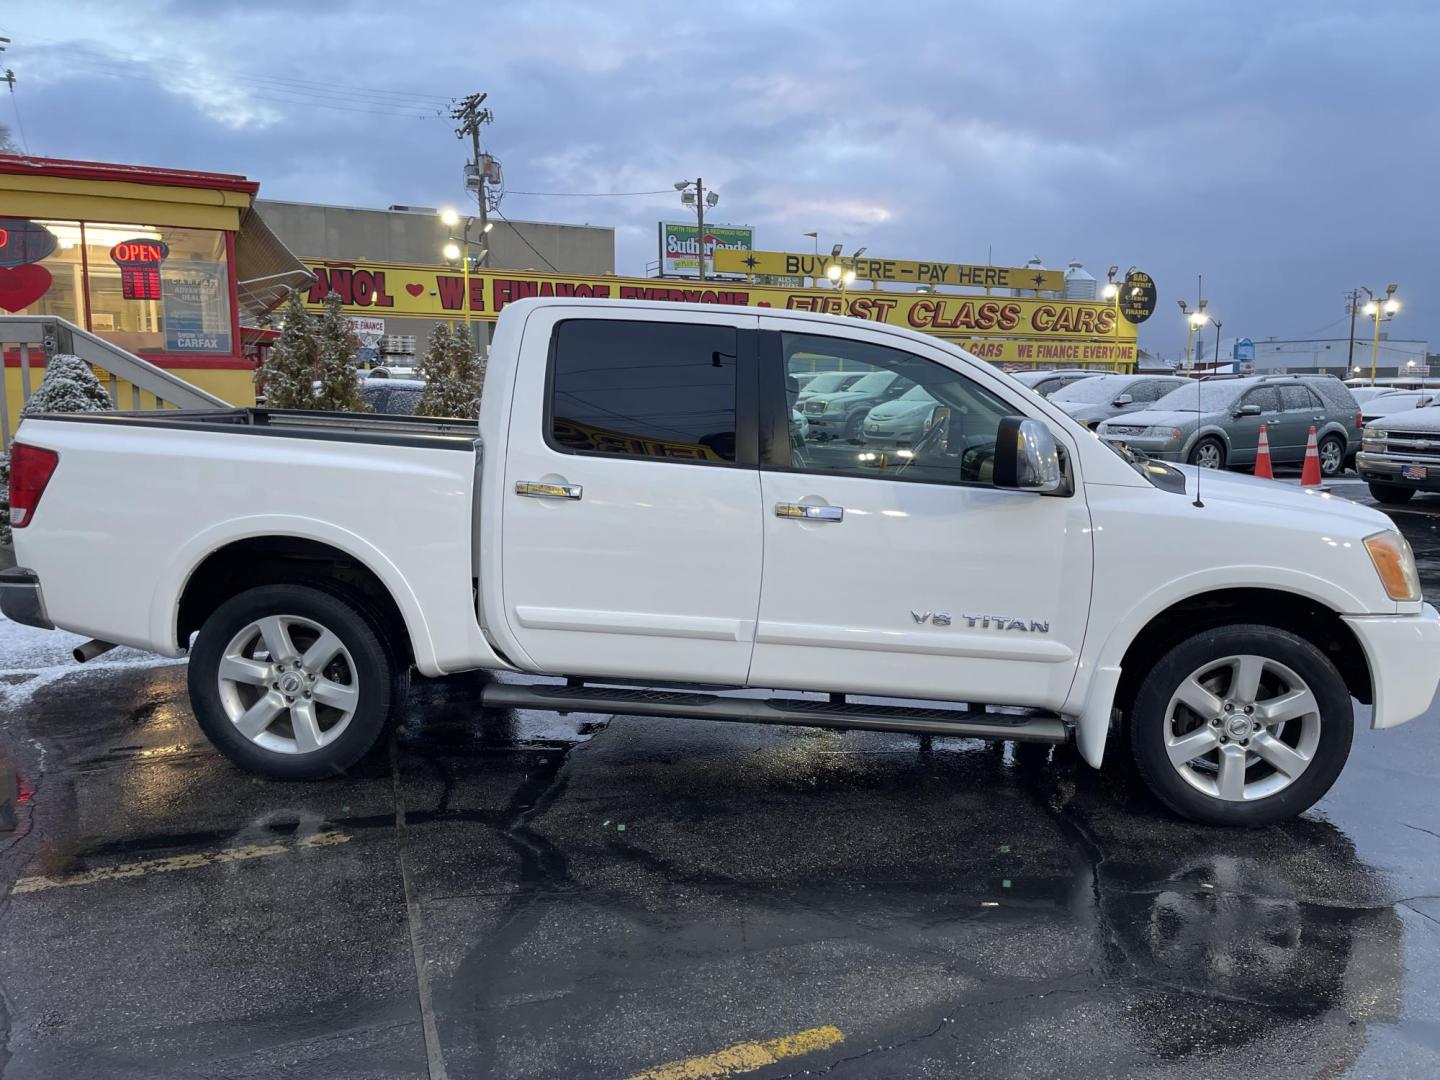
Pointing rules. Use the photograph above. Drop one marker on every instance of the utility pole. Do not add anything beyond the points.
(1350, 357)
(471, 116)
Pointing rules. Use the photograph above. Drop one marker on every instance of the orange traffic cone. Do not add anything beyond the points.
(1262, 456)
(1310, 474)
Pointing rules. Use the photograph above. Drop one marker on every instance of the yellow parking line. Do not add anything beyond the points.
(192, 861)
(746, 1056)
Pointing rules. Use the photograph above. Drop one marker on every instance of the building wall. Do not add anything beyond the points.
(1331, 355)
(316, 231)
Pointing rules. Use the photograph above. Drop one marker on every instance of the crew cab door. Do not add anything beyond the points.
(1244, 431)
(903, 572)
(631, 537)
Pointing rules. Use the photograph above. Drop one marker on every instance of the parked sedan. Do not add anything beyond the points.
(1215, 423)
(1046, 382)
(1092, 400)
(1396, 401)
(900, 422)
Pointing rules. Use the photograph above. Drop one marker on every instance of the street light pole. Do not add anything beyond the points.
(1375, 308)
(700, 221)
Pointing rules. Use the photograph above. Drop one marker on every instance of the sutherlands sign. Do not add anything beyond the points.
(1087, 330)
(902, 271)
(680, 246)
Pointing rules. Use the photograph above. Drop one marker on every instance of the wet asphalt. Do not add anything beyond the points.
(524, 895)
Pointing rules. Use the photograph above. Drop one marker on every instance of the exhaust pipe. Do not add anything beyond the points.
(91, 649)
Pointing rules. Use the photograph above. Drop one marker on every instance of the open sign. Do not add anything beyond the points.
(139, 261)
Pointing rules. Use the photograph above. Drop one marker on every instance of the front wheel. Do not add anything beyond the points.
(1208, 453)
(1391, 494)
(1332, 456)
(1241, 725)
(293, 682)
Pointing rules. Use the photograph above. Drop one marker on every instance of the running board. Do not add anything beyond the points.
(1021, 726)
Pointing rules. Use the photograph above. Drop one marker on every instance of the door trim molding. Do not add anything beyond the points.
(642, 623)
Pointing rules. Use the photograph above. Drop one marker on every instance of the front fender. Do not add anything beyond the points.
(1092, 696)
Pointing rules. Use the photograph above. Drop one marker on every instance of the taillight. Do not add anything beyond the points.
(30, 470)
(1359, 421)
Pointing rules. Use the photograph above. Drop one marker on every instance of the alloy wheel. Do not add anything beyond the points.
(288, 684)
(1242, 728)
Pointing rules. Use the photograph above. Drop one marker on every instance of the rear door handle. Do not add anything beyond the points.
(804, 512)
(536, 489)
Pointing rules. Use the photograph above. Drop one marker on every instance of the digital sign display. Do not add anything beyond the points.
(139, 261)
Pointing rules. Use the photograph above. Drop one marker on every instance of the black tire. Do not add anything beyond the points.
(381, 678)
(1148, 722)
(1391, 494)
(1209, 440)
(853, 427)
(1339, 457)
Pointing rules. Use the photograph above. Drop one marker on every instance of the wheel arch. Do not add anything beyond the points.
(219, 567)
(1133, 648)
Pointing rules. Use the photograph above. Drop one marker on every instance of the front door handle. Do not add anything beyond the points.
(804, 512)
(537, 489)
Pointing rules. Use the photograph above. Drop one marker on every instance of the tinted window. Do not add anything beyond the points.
(1264, 396)
(926, 422)
(1297, 397)
(1152, 389)
(644, 389)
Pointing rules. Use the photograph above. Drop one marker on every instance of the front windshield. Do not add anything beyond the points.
(1206, 396)
(916, 393)
(873, 383)
(1094, 391)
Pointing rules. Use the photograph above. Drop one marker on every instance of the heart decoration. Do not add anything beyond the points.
(413, 289)
(21, 286)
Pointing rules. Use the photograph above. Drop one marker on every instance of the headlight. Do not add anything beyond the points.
(1373, 442)
(1395, 563)
(834, 406)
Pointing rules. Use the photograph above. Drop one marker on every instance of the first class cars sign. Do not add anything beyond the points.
(439, 293)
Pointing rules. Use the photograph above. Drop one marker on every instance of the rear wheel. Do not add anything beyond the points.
(1391, 494)
(1208, 453)
(1332, 455)
(293, 682)
(1241, 725)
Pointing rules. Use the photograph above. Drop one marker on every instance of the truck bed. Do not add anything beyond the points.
(422, 431)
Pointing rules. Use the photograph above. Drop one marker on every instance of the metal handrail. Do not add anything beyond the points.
(50, 335)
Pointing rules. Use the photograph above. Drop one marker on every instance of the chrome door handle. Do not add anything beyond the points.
(802, 512)
(535, 489)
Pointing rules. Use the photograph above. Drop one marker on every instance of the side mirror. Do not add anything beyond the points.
(1026, 457)
(1248, 410)
(1123, 399)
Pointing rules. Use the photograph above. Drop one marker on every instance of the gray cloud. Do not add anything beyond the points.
(1283, 150)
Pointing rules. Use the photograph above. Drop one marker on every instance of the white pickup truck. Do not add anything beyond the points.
(638, 520)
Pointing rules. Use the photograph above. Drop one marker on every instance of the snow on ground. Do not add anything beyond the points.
(31, 658)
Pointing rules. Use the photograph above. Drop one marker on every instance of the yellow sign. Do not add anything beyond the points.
(903, 271)
(1119, 354)
(439, 293)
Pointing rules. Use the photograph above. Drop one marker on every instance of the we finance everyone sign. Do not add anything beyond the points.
(432, 292)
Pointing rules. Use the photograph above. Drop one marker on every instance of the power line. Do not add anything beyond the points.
(526, 242)
(590, 194)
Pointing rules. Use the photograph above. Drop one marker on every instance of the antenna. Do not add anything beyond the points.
(1199, 397)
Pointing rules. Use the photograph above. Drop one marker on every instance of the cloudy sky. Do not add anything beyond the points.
(1286, 150)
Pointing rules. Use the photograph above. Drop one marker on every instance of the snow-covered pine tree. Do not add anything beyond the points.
(452, 375)
(337, 346)
(288, 373)
(69, 386)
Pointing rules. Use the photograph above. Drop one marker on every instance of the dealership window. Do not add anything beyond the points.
(41, 269)
(904, 418)
(156, 289)
(644, 389)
